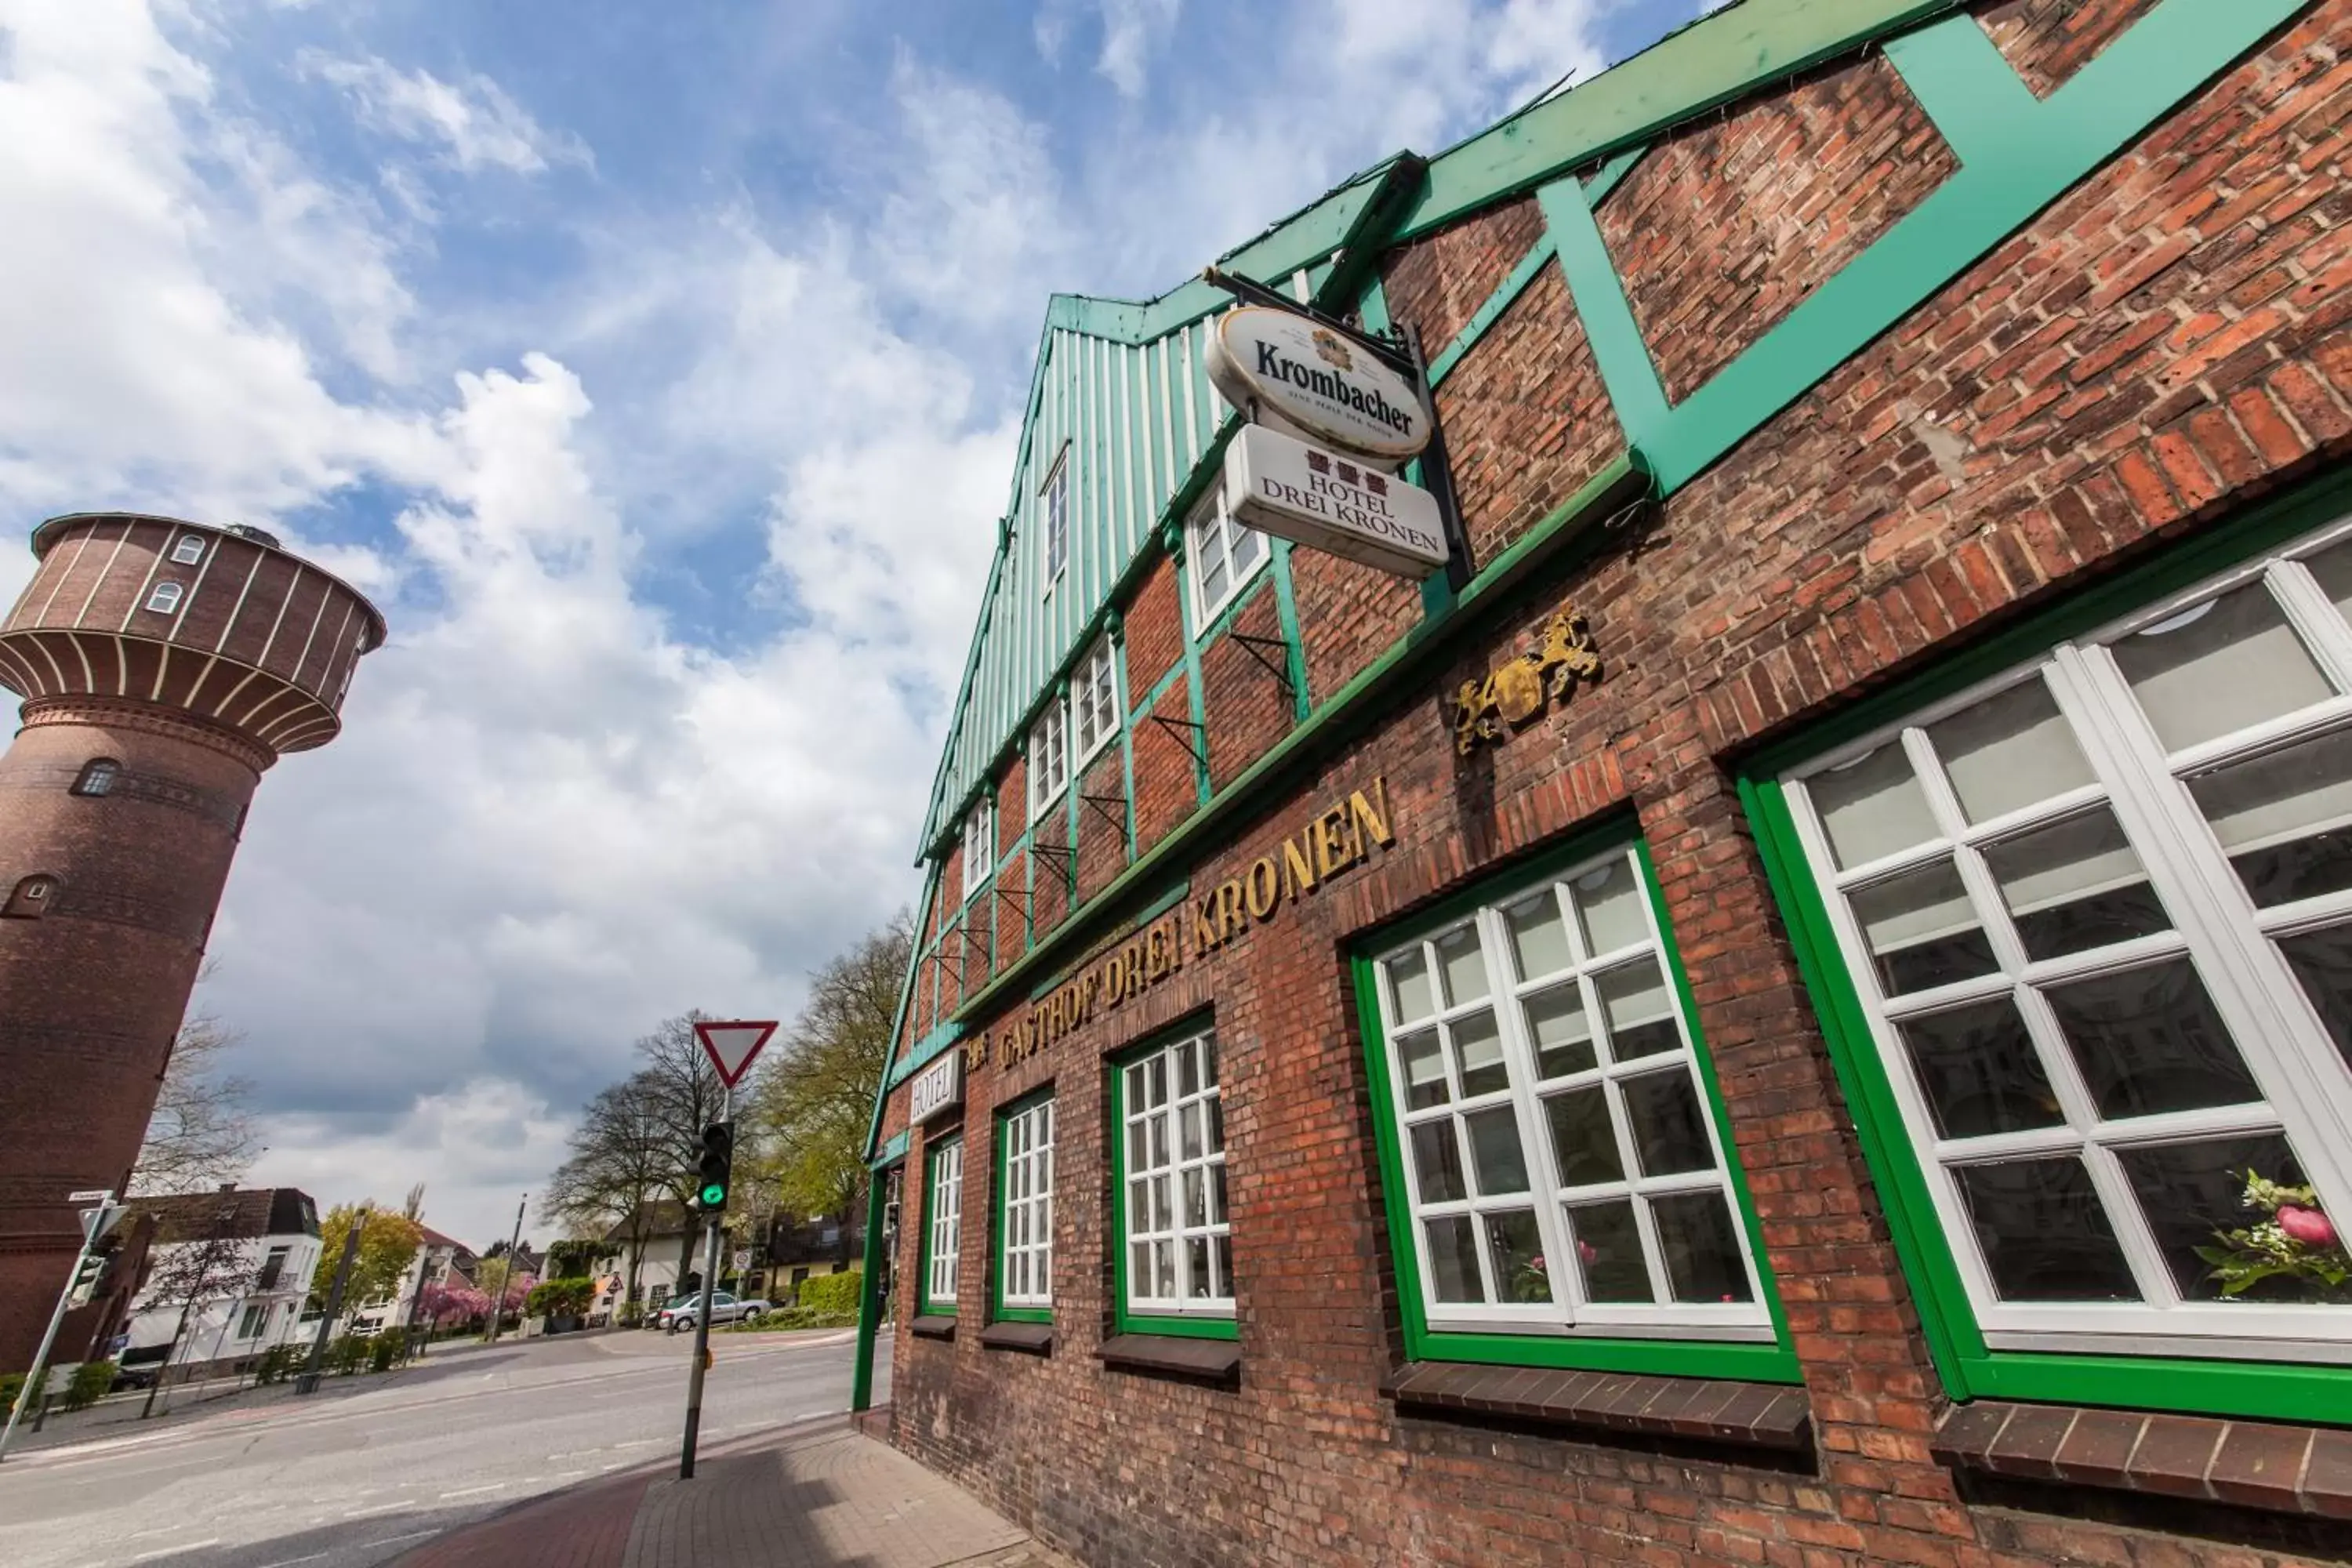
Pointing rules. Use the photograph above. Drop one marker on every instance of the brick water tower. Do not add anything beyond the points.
(164, 666)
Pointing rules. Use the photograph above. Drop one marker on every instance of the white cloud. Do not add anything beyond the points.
(473, 122)
(1133, 31)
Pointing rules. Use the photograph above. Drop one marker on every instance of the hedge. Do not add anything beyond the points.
(832, 1292)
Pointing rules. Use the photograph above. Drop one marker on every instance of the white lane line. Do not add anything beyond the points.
(474, 1491)
(175, 1550)
(371, 1512)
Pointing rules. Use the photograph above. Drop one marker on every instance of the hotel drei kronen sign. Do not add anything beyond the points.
(1333, 503)
(1298, 374)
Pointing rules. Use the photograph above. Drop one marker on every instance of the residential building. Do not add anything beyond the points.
(259, 1250)
(1797, 1007)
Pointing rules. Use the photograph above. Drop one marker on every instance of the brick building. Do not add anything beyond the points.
(163, 665)
(1863, 1073)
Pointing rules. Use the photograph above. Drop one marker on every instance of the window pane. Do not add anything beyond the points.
(1921, 930)
(1538, 935)
(1196, 1267)
(1582, 1140)
(1562, 1034)
(1437, 1161)
(1478, 1048)
(1515, 1248)
(1136, 1160)
(1608, 903)
(1701, 1247)
(2321, 960)
(1163, 1267)
(1669, 1133)
(2221, 1222)
(2284, 818)
(1216, 1108)
(1978, 1070)
(1217, 1210)
(1249, 545)
(1609, 1252)
(1495, 1151)
(1463, 965)
(1221, 1257)
(2075, 885)
(1212, 581)
(1409, 990)
(1454, 1260)
(1155, 1080)
(2043, 1234)
(1872, 806)
(1206, 1046)
(1196, 1200)
(2008, 751)
(1641, 1014)
(2333, 567)
(1188, 1122)
(1188, 1074)
(2224, 665)
(2148, 1040)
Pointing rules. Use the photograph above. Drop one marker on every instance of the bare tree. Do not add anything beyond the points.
(195, 1271)
(201, 1133)
(682, 1095)
(620, 1159)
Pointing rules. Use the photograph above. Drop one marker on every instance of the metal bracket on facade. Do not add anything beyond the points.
(1279, 668)
(1177, 727)
(1106, 804)
(1023, 900)
(1062, 852)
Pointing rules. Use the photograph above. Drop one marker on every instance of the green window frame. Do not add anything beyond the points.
(1473, 1011)
(943, 1225)
(1168, 1164)
(1021, 1211)
(2236, 940)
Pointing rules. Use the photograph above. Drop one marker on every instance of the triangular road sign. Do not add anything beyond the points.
(732, 1042)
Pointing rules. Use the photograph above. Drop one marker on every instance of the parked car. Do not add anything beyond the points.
(724, 1308)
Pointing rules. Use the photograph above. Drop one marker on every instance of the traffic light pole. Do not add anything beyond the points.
(702, 1321)
(31, 1391)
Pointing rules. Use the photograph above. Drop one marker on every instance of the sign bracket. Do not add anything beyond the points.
(1191, 742)
(1255, 647)
(1103, 803)
(1390, 351)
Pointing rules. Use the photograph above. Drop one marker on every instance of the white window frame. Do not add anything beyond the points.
(164, 598)
(1054, 520)
(943, 1224)
(2297, 1067)
(1049, 743)
(188, 549)
(1027, 1221)
(1212, 532)
(1157, 1179)
(1095, 701)
(1506, 998)
(979, 845)
(249, 1326)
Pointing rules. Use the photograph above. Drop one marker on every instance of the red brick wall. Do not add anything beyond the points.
(91, 995)
(1447, 276)
(1246, 705)
(1155, 631)
(2166, 343)
(2049, 40)
(1165, 790)
(1102, 821)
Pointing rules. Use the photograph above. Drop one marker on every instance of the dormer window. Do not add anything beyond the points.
(189, 550)
(165, 598)
(32, 898)
(98, 776)
(1055, 506)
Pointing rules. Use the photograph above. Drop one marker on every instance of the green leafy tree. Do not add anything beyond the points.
(812, 1101)
(388, 1244)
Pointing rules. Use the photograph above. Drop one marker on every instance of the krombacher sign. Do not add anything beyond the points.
(1342, 835)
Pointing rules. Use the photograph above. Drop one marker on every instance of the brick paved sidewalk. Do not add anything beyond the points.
(821, 1498)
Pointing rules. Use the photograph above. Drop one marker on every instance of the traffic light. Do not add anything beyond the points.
(85, 1279)
(717, 1167)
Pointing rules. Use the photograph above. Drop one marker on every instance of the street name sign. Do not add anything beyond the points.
(732, 1042)
(1283, 486)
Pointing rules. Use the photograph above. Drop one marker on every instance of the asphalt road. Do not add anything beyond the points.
(372, 1468)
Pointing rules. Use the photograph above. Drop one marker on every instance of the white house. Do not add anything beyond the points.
(260, 1248)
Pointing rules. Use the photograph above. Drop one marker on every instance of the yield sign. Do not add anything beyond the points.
(732, 1042)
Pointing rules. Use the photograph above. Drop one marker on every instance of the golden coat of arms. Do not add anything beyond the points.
(1521, 688)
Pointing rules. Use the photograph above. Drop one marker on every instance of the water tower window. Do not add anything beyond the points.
(189, 550)
(165, 598)
(98, 776)
(32, 898)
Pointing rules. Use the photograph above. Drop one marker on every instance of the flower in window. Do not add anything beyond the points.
(2298, 1247)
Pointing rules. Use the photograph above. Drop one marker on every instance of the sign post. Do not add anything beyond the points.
(95, 1224)
(731, 1044)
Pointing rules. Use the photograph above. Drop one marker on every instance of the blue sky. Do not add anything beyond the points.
(657, 369)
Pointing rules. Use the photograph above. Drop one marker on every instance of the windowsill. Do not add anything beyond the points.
(1036, 1339)
(1171, 1355)
(934, 1325)
(2253, 1464)
(1715, 1410)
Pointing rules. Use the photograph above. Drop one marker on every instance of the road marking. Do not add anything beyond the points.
(175, 1550)
(475, 1491)
(379, 1541)
(371, 1512)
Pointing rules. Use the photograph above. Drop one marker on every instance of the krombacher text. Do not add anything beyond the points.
(1342, 835)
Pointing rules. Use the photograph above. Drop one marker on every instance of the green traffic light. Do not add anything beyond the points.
(713, 1196)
